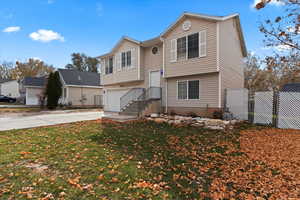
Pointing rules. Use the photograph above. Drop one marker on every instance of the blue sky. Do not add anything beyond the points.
(53, 29)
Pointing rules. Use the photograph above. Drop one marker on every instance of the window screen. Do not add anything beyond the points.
(182, 90)
(193, 45)
(181, 48)
(194, 89)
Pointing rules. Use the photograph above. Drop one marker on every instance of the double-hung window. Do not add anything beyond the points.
(110, 65)
(188, 47)
(126, 59)
(181, 48)
(188, 89)
(193, 45)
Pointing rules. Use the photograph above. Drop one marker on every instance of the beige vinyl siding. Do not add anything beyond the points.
(74, 95)
(196, 65)
(126, 74)
(231, 58)
(208, 91)
(153, 62)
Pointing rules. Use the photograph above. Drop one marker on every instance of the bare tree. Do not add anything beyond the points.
(6, 70)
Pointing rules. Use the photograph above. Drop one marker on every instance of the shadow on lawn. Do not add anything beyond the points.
(187, 159)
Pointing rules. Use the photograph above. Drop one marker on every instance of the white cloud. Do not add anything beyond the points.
(12, 29)
(43, 35)
(272, 2)
(50, 1)
(282, 47)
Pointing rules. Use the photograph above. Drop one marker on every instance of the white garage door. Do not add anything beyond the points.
(33, 95)
(112, 100)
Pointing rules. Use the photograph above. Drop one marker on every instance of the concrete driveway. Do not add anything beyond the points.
(21, 122)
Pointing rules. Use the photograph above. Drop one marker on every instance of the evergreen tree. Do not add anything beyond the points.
(53, 90)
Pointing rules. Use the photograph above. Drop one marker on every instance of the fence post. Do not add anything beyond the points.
(275, 109)
(251, 105)
(225, 101)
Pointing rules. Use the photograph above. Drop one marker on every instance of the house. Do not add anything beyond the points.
(184, 70)
(9, 88)
(291, 87)
(32, 89)
(80, 88)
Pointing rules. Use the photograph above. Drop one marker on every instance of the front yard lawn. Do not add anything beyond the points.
(146, 160)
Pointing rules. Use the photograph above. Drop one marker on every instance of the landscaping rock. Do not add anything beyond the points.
(160, 120)
(215, 124)
(154, 115)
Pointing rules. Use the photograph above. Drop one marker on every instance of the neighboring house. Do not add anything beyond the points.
(9, 88)
(291, 87)
(80, 88)
(32, 89)
(187, 67)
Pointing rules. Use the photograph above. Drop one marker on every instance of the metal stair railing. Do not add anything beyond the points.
(130, 96)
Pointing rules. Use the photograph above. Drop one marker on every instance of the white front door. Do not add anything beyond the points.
(112, 100)
(154, 79)
(154, 82)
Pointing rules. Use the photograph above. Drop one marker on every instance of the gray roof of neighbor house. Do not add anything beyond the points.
(291, 87)
(34, 81)
(5, 80)
(79, 78)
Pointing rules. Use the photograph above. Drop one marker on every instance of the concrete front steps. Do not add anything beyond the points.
(142, 108)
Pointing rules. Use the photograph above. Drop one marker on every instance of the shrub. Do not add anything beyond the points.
(192, 114)
(218, 114)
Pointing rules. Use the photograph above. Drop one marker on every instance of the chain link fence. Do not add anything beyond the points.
(278, 109)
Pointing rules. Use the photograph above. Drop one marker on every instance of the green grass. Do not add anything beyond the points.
(90, 160)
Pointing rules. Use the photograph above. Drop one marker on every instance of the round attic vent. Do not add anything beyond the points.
(186, 25)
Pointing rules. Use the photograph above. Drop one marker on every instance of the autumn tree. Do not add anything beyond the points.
(82, 62)
(6, 70)
(282, 31)
(32, 68)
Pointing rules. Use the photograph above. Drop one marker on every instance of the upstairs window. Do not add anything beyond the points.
(109, 65)
(181, 48)
(123, 59)
(126, 59)
(188, 47)
(193, 45)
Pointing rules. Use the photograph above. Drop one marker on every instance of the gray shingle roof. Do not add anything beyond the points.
(75, 77)
(291, 87)
(35, 81)
(5, 80)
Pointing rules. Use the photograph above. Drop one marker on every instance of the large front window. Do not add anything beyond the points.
(188, 89)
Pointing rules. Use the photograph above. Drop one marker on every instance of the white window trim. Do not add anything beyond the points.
(187, 91)
(186, 56)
